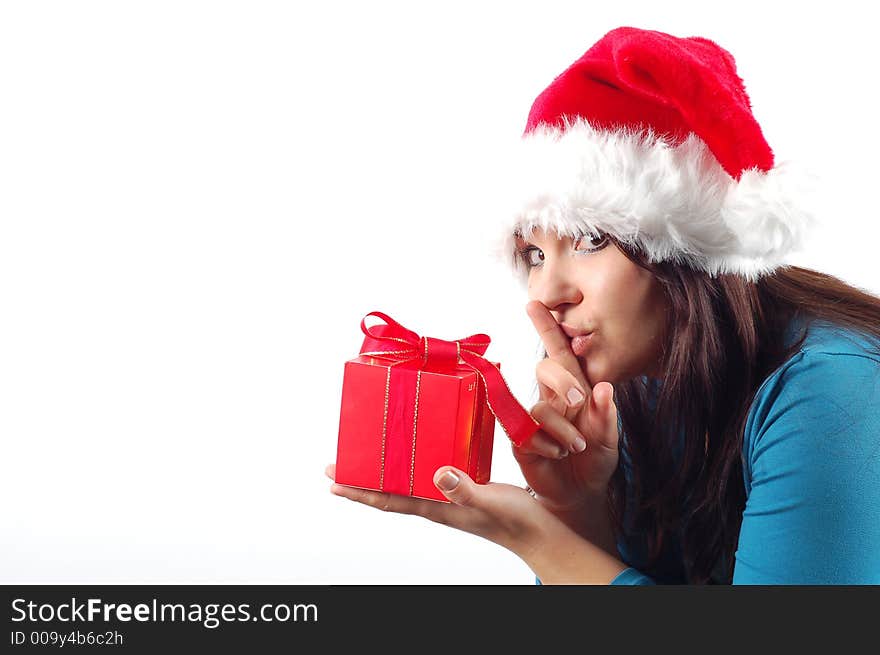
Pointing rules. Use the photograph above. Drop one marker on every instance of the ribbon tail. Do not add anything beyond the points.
(516, 422)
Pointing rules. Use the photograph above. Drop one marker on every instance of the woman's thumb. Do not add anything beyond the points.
(606, 415)
(457, 486)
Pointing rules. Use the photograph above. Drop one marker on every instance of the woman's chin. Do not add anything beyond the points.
(595, 373)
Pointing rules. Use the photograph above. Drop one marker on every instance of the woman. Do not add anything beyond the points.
(708, 414)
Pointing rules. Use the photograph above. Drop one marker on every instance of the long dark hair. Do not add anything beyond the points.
(724, 337)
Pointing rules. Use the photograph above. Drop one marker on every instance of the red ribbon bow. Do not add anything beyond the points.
(400, 344)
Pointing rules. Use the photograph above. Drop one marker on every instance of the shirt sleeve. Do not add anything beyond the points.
(626, 577)
(812, 468)
(631, 576)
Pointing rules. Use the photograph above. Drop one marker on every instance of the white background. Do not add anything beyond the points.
(199, 201)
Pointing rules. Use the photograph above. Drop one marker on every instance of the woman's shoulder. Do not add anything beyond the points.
(810, 464)
(829, 387)
(824, 337)
(836, 356)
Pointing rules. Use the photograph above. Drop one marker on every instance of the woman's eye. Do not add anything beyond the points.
(532, 256)
(590, 242)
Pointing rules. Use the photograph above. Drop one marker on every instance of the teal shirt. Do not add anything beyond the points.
(811, 467)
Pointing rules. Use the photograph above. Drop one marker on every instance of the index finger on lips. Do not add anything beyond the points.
(555, 341)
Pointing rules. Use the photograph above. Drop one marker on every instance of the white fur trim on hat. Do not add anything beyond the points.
(675, 202)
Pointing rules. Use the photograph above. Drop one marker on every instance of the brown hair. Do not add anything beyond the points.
(726, 336)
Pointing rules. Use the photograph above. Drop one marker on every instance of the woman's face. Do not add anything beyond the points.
(588, 284)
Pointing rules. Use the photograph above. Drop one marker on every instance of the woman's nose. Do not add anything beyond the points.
(554, 286)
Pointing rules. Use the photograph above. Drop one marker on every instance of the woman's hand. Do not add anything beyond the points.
(502, 513)
(506, 515)
(570, 460)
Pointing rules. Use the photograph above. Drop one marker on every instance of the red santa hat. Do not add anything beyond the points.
(650, 138)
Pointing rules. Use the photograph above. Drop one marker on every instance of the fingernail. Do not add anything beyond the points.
(574, 396)
(448, 481)
(579, 445)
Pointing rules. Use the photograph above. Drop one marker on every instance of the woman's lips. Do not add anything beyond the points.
(580, 343)
(580, 339)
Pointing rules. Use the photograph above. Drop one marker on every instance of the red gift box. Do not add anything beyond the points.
(412, 404)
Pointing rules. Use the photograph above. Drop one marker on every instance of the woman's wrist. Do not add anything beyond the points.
(588, 517)
(558, 555)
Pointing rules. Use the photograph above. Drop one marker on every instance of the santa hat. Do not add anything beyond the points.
(650, 138)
